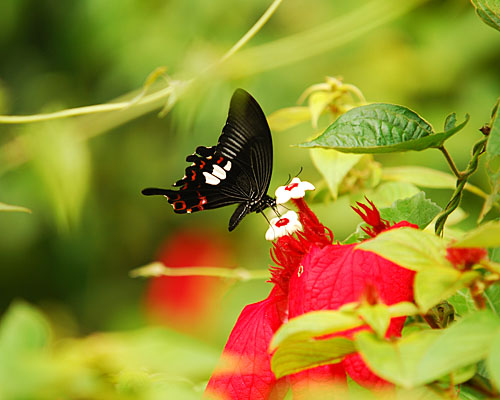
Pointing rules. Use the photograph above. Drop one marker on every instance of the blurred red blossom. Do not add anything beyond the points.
(312, 273)
(465, 256)
(188, 303)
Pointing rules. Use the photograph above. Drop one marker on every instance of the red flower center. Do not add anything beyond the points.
(291, 186)
(282, 222)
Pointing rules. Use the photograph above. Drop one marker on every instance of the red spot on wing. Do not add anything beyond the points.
(179, 205)
(220, 160)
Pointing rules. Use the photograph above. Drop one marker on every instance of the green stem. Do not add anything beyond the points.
(252, 32)
(450, 161)
(159, 269)
(454, 202)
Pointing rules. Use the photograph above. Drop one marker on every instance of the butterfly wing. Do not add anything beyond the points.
(246, 141)
(237, 170)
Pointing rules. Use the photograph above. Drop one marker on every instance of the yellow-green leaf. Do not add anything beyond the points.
(296, 356)
(287, 118)
(409, 248)
(486, 235)
(334, 166)
(314, 324)
(432, 285)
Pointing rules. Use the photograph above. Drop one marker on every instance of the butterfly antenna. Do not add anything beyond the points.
(300, 171)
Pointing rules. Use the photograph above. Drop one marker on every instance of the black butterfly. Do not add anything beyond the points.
(237, 170)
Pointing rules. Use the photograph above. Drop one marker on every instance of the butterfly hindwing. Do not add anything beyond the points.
(237, 170)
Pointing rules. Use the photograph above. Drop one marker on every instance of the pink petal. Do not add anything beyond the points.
(244, 371)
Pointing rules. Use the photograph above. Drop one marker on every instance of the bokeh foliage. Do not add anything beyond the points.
(81, 178)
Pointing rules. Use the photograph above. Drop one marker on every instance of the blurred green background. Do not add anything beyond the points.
(82, 178)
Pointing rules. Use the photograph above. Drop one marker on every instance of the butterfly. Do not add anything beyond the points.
(235, 171)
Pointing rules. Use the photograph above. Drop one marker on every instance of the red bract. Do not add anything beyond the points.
(312, 273)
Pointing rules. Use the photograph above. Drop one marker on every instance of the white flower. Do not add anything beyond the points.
(284, 225)
(296, 189)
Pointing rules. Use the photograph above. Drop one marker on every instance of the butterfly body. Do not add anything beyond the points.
(235, 171)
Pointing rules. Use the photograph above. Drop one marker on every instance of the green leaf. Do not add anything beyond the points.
(396, 361)
(425, 356)
(334, 166)
(426, 177)
(493, 361)
(409, 248)
(417, 210)
(492, 297)
(381, 128)
(489, 12)
(486, 235)
(460, 375)
(463, 302)
(377, 316)
(493, 145)
(466, 342)
(314, 324)
(432, 285)
(493, 161)
(450, 122)
(296, 356)
(23, 329)
(387, 193)
(287, 118)
(9, 207)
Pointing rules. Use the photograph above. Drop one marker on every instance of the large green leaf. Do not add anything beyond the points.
(396, 361)
(466, 342)
(381, 128)
(408, 247)
(425, 356)
(432, 285)
(416, 209)
(489, 12)
(295, 356)
(486, 235)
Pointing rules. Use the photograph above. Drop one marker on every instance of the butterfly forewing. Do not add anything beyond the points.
(237, 170)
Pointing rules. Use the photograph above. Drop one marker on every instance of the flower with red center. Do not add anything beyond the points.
(465, 257)
(286, 224)
(296, 189)
(312, 273)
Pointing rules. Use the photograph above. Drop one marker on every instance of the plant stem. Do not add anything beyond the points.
(252, 32)
(159, 269)
(450, 161)
(454, 202)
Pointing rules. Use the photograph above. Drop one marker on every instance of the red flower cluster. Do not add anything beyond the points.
(312, 273)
